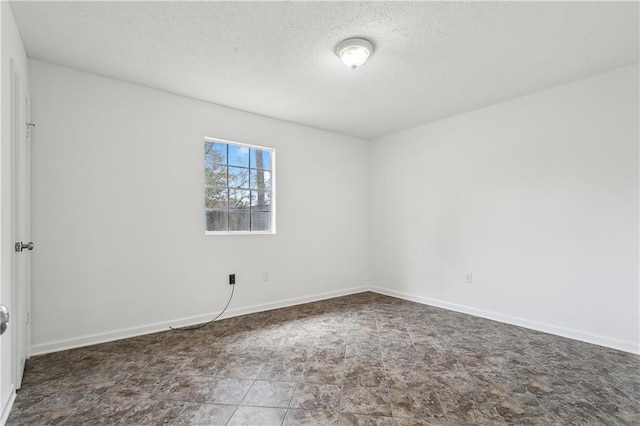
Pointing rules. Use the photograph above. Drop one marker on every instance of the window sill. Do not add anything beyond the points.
(207, 233)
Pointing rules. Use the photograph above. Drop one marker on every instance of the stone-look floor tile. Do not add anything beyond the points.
(627, 417)
(611, 401)
(627, 381)
(365, 400)
(290, 353)
(52, 410)
(204, 414)
(371, 375)
(391, 327)
(326, 373)
(396, 352)
(194, 346)
(297, 417)
(240, 369)
(96, 383)
(348, 419)
(541, 383)
(186, 388)
(126, 365)
(482, 372)
(281, 371)
(333, 337)
(358, 337)
(26, 398)
(477, 362)
(138, 385)
(107, 410)
(573, 410)
(152, 412)
(461, 409)
(297, 341)
(571, 373)
(312, 396)
(364, 353)
(407, 377)
(395, 341)
(514, 359)
(407, 421)
(417, 403)
(205, 365)
(430, 358)
(523, 411)
(326, 355)
(166, 364)
(456, 382)
(55, 384)
(496, 384)
(269, 394)
(511, 400)
(35, 377)
(204, 389)
(257, 416)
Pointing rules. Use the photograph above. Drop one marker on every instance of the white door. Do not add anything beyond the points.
(15, 294)
(21, 220)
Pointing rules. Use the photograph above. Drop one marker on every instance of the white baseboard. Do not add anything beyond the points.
(92, 339)
(7, 405)
(622, 345)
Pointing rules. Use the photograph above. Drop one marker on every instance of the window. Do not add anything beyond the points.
(239, 188)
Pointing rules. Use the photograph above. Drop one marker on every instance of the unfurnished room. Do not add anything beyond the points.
(320, 213)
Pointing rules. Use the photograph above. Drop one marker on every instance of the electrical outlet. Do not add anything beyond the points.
(232, 279)
(265, 276)
(468, 278)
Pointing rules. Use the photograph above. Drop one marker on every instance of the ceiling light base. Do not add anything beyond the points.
(354, 51)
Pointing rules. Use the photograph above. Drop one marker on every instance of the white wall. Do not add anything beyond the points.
(118, 212)
(536, 197)
(12, 48)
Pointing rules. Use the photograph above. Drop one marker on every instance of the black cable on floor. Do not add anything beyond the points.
(197, 327)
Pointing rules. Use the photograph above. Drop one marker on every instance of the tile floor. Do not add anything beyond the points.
(364, 359)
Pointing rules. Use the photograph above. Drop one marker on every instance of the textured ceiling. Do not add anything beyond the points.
(432, 59)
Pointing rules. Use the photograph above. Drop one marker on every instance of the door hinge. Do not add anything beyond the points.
(29, 127)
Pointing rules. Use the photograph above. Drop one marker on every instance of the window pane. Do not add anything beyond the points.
(215, 175)
(238, 187)
(238, 178)
(215, 153)
(238, 220)
(260, 159)
(215, 198)
(260, 221)
(216, 220)
(260, 179)
(239, 199)
(261, 201)
(238, 156)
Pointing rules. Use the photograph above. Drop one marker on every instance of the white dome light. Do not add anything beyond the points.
(354, 52)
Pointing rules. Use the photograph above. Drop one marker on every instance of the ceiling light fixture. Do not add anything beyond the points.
(354, 52)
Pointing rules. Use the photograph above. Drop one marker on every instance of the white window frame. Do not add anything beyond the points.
(272, 151)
